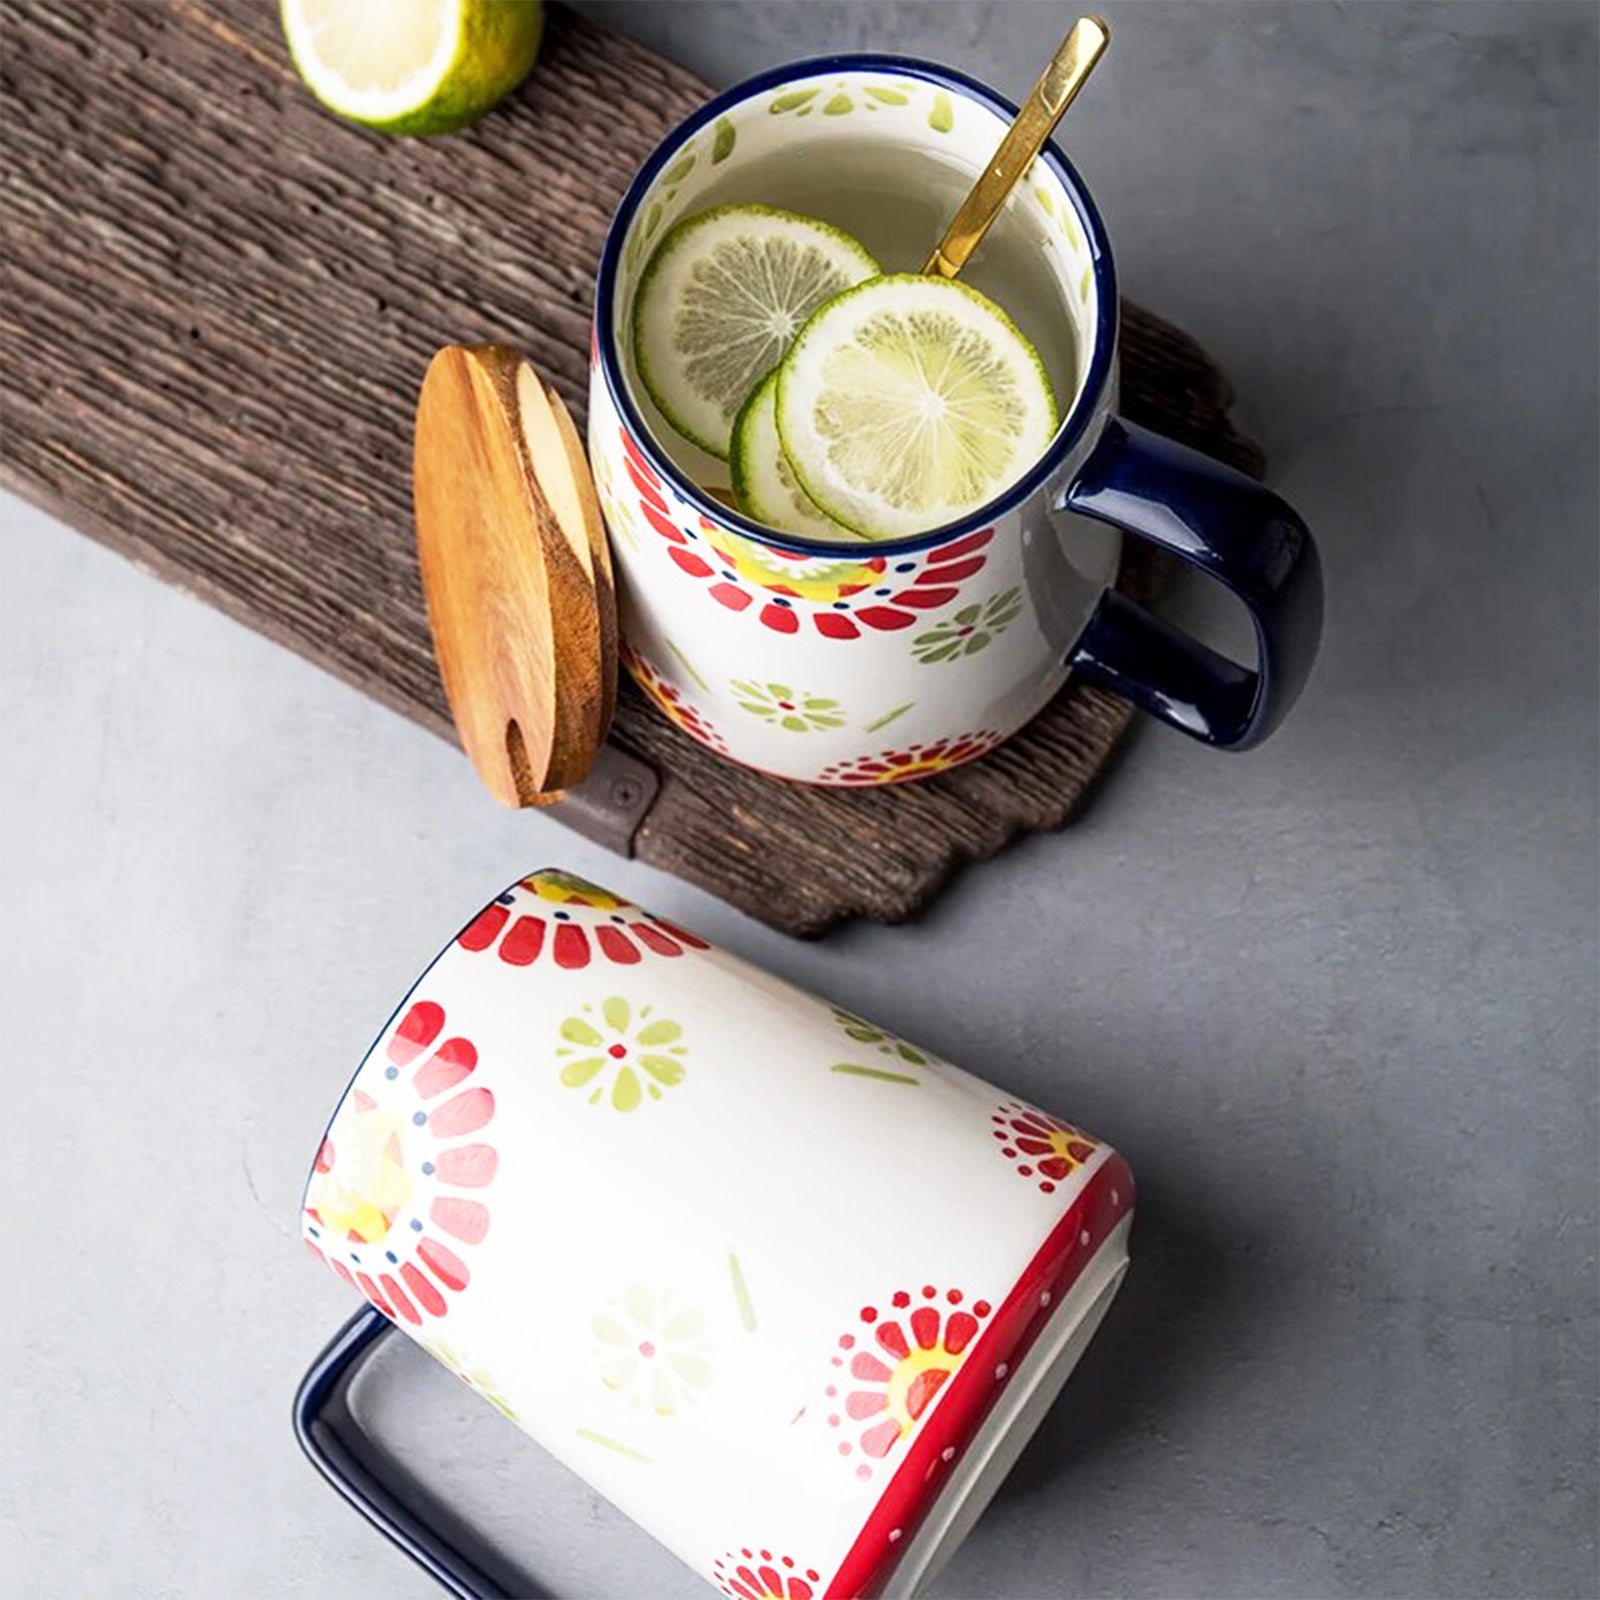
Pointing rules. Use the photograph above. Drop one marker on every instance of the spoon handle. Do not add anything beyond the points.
(1056, 89)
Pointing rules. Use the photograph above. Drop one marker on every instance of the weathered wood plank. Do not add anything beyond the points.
(218, 304)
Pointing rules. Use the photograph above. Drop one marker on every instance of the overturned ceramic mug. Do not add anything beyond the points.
(789, 1290)
(881, 662)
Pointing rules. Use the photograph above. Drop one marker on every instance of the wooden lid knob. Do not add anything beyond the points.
(516, 572)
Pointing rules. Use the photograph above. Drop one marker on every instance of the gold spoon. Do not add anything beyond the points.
(1056, 89)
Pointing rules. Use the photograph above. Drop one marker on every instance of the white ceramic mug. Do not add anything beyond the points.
(879, 663)
(789, 1290)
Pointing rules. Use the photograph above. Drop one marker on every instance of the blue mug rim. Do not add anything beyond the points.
(1067, 436)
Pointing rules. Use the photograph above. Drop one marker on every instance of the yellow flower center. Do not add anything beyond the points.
(560, 889)
(917, 1378)
(367, 1186)
(818, 579)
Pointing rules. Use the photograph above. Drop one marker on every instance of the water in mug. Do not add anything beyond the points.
(897, 200)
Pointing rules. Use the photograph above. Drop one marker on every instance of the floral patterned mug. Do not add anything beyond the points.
(788, 1289)
(868, 664)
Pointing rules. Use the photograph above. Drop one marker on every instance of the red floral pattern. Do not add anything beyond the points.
(557, 917)
(839, 598)
(1000, 1350)
(759, 1575)
(919, 1345)
(386, 1180)
(915, 761)
(670, 703)
(1044, 1147)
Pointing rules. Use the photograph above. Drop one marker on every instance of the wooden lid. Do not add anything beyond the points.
(516, 572)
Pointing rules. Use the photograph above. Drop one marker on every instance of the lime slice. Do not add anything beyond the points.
(910, 401)
(764, 483)
(412, 66)
(724, 294)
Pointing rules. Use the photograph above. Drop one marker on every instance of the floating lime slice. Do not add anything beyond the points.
(908, 402)
(764, 483)
(722, 298)
(412, 66)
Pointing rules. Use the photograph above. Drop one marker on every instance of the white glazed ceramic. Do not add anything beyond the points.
(870, 663)
(789, 1290)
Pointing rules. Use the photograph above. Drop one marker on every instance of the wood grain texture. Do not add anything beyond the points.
(218, 305)
(507, 530)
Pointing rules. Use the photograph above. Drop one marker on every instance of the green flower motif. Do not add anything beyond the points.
(723, 141)
(617, 509)
(652, 1350)
(884, 1042)
(969, 630)
(776, 702)
(623, 1050)
(679, 170)
(792, 100)
(1065, 222)
(841, 102)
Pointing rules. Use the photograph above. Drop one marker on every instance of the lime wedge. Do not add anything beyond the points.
(412, 66)
(724, 294)
(764, 483)
(910, 401)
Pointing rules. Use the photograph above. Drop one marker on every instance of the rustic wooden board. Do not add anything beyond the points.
(218, 304)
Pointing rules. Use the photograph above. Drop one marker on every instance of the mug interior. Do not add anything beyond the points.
(887, 149)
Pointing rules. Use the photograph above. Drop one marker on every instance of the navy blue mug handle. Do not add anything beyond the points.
(371, 1485)
(1234, 530)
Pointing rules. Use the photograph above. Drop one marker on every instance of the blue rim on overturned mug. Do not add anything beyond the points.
(957, 636)
(553, 1171)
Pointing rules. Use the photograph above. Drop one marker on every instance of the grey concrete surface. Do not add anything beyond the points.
(1337, 999)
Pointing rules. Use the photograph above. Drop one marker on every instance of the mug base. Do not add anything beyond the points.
(1009, 1426)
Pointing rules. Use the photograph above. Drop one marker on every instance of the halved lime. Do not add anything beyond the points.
(412, 66)
(764, 483)
(724, 294)
(908, 402)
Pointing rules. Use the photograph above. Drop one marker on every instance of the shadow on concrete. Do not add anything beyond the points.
(1190, 1300)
